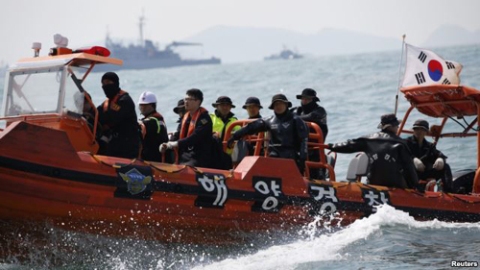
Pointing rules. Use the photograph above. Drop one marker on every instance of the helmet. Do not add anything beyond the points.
(147, 98)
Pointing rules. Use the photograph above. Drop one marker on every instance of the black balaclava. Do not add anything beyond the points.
(111, 90)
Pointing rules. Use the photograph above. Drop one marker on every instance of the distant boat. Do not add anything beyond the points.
(285, 54)
(147, 55)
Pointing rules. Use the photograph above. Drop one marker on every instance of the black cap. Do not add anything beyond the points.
(112, 76)
(223, 100)
(420, 123)
(388, 120)
(252, 101)
(280, 97)
(308, 93)
(180, 105)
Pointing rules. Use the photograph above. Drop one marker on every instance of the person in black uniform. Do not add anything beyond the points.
(253, 107)
(390, 160)
(288, 133)
(154, 131)
(310, 111)
(429, 162)
(180, 110)
(121, 135)
(195, 143)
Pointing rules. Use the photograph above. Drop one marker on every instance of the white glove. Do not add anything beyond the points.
(105, 138)
(419, 166)
(439, 163)
(169, 145)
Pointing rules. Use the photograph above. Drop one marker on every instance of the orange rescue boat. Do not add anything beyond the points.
(50, 173)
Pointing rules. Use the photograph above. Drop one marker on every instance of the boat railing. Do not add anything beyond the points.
(447, 102)
(316, 143)
(259, 139)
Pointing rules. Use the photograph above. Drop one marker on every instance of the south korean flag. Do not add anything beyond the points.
(424, 67)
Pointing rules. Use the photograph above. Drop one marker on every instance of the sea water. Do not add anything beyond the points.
(355, 90)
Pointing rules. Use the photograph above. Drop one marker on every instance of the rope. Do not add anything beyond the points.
(164, 171)
(115, 166)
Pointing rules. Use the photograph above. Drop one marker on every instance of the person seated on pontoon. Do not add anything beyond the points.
(390, 160)
(289, 134)
(429, 162)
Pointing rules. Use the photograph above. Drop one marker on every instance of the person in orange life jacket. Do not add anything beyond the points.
(121, 135)
(195, 142)
(180, 110)
(429, 162)
(310, 111)
(288, 132)
(223, 117)
(154, 131)
(390, 159)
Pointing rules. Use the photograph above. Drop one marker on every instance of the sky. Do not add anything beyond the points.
(85, 22)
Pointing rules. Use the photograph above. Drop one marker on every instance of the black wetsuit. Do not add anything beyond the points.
(251, 146)
(119, 121)
(314, 113)
(428, 154)
(390, 160)
(176, 135)
(288, 136)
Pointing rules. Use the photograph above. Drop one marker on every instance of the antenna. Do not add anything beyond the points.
(140, 26)
(399, 74)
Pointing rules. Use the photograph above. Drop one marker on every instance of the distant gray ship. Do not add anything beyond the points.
(147, 55)
(285, 54)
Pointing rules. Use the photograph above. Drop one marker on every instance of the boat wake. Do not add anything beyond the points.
(387, 237)
(354, 244)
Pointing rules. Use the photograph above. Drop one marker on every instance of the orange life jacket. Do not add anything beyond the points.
(193, 121)
(113, 103)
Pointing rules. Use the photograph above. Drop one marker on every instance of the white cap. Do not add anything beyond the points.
(147, 98)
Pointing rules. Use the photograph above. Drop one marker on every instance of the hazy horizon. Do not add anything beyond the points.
(24, 22)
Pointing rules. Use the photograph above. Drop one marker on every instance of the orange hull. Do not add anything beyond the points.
(47, 180)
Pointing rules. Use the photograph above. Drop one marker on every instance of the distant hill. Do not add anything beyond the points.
(239, 44)
(449, 35)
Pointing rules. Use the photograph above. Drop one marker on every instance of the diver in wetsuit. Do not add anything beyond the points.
(390, 160)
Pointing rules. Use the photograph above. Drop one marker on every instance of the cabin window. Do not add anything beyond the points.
(34, 92)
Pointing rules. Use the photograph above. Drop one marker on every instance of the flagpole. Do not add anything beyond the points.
(399, 74)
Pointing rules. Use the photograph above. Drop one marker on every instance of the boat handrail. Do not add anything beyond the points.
(446, 102)
(316, 135)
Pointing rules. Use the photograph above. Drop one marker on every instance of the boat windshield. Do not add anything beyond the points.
(41, 91)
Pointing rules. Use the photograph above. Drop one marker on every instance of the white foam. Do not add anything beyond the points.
(328, 246)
